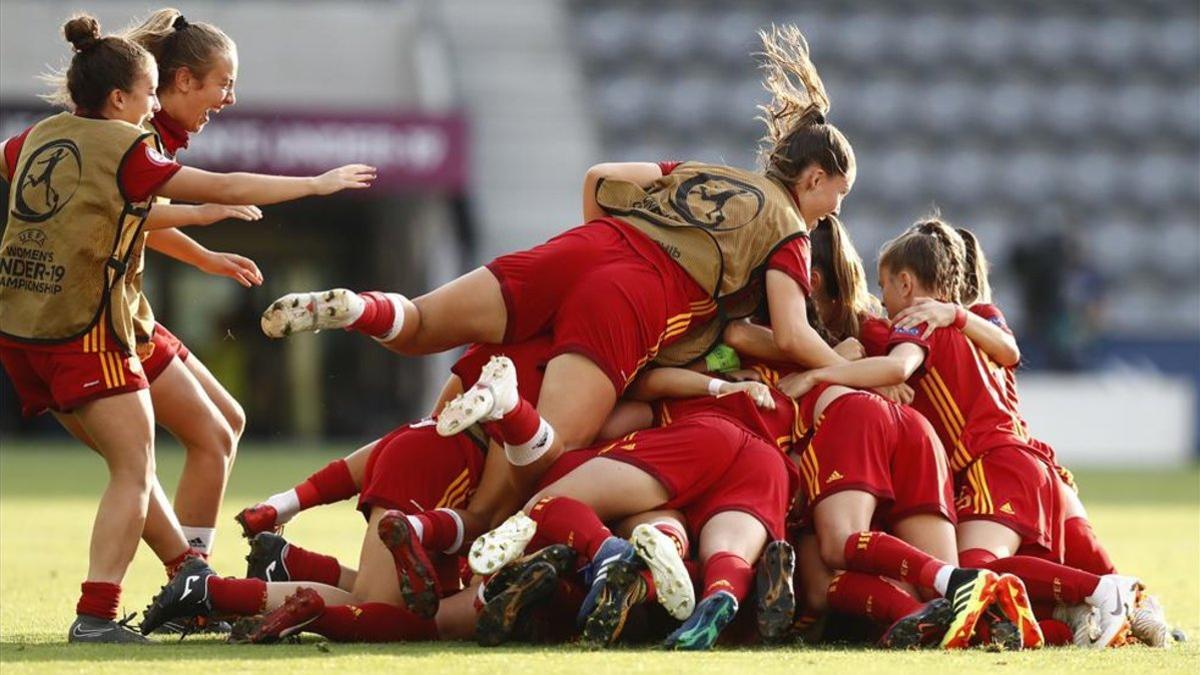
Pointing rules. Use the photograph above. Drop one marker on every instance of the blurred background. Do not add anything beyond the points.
(1065, 134)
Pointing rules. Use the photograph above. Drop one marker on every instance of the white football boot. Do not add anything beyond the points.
(497, 548)
(311, 312)
(1082, 620)
(1113, 600)
(672, 583)
(1149, 624)
(492, 397)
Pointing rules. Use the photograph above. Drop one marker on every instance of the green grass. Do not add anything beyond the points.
(1150, 522)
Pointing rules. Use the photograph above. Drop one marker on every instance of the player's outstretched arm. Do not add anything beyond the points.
(876, 371)
(173, 243)
(165, 216)
(196, 185)
(659, 383)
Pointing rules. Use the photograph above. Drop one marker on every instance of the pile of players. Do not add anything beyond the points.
(689, 403)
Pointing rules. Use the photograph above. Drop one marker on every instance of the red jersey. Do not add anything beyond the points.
(874, 333)
(962, 396)
(529, 358)
(141, 174)
(776, 427)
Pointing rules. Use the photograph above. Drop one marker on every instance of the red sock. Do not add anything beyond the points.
(1047, 580)
(888, 556)
(439, 530)
(372, 622)
(378, 317)
(651, 591)
(304, 565)
(975, 558)
(562, 520)
(725, 571)
(99, 599)
(519, 425)
(172, 566)
(871, 596)
(1083, 548)
(1057, 633)
(675, 534)
(331, 484)
(243, 597)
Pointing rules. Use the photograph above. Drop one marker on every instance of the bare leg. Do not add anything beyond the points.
(184, 409)
(376, 580)
(932, 534)
(161, 532)
(456, 614)
(625, 527)
(989, 536)
(123, 428)
(594, 483)
(814, 574)
(469, 309)
(278, 591)
(736, 532)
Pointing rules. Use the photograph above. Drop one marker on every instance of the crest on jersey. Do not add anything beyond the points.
(48, 181)
(704, 200)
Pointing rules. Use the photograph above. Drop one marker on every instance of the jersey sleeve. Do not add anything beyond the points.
(668, 167)
(992, 314)
(874, 333)
(794, 260)
(12, 151)
(144, 171)
(913, 335)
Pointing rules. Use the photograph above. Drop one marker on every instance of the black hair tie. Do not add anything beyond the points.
(180, 23)
(818, 118)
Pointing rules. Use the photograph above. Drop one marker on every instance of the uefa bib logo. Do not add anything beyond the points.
(706, 201)
(48, 182)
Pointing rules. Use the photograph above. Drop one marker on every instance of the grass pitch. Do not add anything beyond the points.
(1150, 522)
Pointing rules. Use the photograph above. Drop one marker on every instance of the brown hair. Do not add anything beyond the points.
(798, 134)
(976, 288)
(177, 43)
(933, 252)
(100, 64)
(845, 280)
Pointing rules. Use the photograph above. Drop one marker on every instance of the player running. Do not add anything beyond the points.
(67, 332)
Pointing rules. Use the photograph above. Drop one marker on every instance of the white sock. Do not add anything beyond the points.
(398, 322)
(530, 451)
(417, 526)
(458, 537)
(941, 581)
(287, 505)
(357, 307)
(200, 538)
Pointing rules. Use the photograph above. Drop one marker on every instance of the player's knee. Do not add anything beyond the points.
(214, 442)
(832, 549)
(235, 417)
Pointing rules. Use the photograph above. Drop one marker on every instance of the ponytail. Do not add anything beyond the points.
(178, 43)
(798, 133)
(845, 280)
(976, 288)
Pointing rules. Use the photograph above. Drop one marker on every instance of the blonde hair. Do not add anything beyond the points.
(100, 64)
(177, 43)
(934, 253)
(845, 280)
(976, 287)
(798, 134)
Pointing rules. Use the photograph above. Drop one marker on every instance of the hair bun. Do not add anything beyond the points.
(83, 32)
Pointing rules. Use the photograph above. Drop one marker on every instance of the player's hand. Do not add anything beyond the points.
(896, 393)
(207, 214)
(796, 385)
(933, 313)
(351, 176)
(850, 349)
(239, 268)
(758, 392)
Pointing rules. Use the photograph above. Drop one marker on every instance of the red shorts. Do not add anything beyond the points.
(686, 457)
(61, 378)
(529, 358)
(1011, 486)
(413, 469)
(868, 444)
(156, 354)
(760, 482)
(598, 297)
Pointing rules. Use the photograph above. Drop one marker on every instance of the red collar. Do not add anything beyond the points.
(174, 136)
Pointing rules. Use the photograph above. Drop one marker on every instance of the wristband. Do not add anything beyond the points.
(960, 318)
(722, 359)
(714, 386)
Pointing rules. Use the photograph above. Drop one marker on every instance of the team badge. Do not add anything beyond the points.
(48, 181)
(703, 199)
